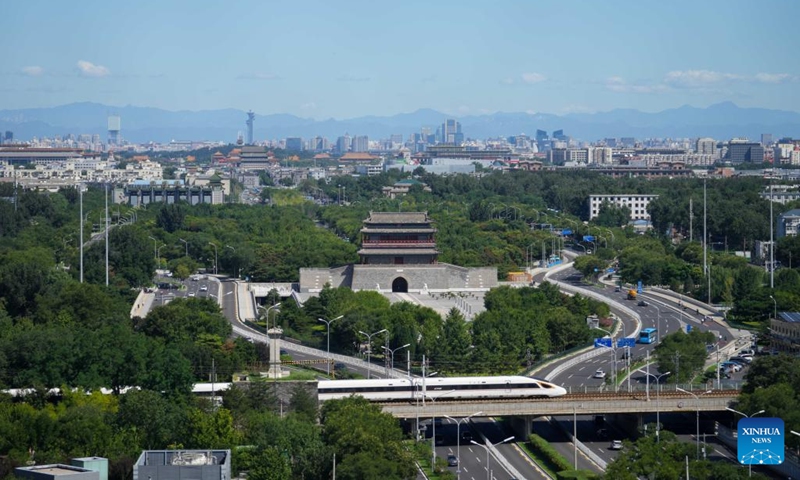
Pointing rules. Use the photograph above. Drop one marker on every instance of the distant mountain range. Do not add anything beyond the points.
(143, 124)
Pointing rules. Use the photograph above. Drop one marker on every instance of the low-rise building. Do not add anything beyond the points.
(789, 223)
(183, 464)
(56, 472)
(785, 332)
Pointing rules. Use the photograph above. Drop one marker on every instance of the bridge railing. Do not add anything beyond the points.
(293, 347)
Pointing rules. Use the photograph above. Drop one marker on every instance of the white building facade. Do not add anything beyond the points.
(635, 202)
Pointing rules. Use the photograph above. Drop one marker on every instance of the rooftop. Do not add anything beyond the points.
(398, 251)
(791, 317)
(55, 469)
(397, 217)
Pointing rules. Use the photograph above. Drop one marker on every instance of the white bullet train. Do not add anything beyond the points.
(403, 389)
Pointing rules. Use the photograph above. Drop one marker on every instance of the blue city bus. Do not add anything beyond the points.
(648, 335)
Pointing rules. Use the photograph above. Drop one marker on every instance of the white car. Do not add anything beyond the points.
(599, 373)
(204, 288)
(616, 445)
(191, 294)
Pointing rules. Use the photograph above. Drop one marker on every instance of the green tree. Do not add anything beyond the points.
(366, 439)
(612, 215)
(683, 354)
(170, 217)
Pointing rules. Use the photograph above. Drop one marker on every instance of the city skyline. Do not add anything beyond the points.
(318, 60)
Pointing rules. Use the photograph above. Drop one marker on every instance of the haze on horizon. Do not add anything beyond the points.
(323, 59)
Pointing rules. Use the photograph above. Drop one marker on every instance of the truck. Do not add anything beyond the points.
(631, 294)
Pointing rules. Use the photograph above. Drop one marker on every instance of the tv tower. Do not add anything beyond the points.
(250, 117)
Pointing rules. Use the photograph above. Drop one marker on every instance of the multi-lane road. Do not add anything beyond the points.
(664, 314)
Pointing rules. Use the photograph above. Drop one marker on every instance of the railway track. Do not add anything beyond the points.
(608, 396)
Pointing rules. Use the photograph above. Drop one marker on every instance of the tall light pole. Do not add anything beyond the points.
(106, 197)
(658, 323)
(328, 323)
(158, 251)
(613, 349)
(235, 268)
(771, 240)
(697, 404)
(186, 244)
(487, 447)
(391, 352)
(433, 422)
(215, 256)
(458, 438)
(658, 397)
(775, 310)
(750, 470)
(266, 314)
(705, 240)
(155, 242)
(369, 348)
(80, 196)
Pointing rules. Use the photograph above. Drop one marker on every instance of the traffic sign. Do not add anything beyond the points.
(626, 342)
(639, 287)
(566, 231)
(688, 328)
(602, 342)
(588, 238)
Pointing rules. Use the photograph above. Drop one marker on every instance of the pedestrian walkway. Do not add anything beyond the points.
(143, 304)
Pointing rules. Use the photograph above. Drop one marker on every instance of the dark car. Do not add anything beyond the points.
(452, 461)
(602, 434)
(642, 303)
(466, 436)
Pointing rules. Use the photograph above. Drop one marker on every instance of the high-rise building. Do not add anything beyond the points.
(602, 155)
(396, 139)
(250, 118)
(766, 139)
(294, 144)
(706, 146)
(742, 151)
(114, 127)
(450, 132)
(343, 144)
(360, 143)
(9, 137)
(559, 135)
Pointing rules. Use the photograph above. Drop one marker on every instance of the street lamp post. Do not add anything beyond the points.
(458, 438)
(155, 247)
(775, 310)
(328, 323)
(369, 348)
(697, 404)
(433, 399)
(186, 245)
(658, 397)
(750, 470)
(266, 313)
(613, 349)
(658, 323)
(158, 250)
(391, 352)
(487, 447)
(215, 256)
(235, 266)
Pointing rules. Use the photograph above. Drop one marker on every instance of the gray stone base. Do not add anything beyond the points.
(438, 277)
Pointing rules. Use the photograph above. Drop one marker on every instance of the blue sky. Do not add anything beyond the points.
(350, 58)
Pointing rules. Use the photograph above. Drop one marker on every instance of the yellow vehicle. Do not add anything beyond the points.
(631, 294)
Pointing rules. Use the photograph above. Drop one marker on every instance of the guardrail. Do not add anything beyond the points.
(293, 347)
(597, 351)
